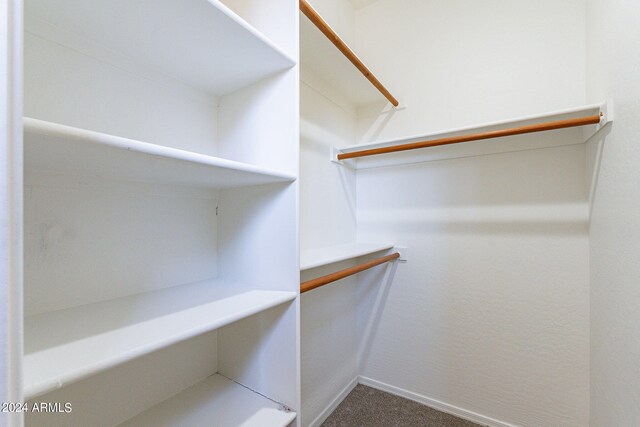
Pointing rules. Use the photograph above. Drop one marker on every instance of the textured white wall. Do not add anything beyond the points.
(327, 217)
(339, 14)
(327, 196)
(329, 343)
(462, 62)
(613, 62)
(491, 313)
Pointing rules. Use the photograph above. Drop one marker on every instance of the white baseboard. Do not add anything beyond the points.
(334, 403)
(433, 403)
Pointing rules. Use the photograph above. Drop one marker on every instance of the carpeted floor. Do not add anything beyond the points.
(368, 407)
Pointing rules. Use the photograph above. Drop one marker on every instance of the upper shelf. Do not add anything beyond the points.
(322, 57)
(200, 42)
(317, 257)
(68, 345)
(215, 401)
(567, 136)
(53, 147)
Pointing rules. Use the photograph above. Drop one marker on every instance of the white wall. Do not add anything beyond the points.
(340, 16)
(327, 217)
(613, 62)
(329, 344)
(327, 196)
(490, 314)
(462, 62)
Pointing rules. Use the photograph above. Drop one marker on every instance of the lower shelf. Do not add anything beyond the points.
(66, 346)
(215, 401)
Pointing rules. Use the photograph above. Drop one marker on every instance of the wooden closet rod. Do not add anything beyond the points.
(329, 278)
(322, 25)
(540, 127)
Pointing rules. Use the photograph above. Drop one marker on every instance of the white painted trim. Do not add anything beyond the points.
(435, 404)
(334, 403)
(203, 306)
(11, 208)
(49, 144)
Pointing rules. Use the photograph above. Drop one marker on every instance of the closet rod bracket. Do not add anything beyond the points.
(402, 250)
(333, 158)
(606, 117)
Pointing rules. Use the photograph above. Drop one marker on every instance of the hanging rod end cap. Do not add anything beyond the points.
(402, 250)
(333, 157)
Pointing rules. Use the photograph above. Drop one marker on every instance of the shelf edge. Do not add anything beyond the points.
(46, 128)
(375, 247)
(55, 382)
(253, 30)
(215, 380)
(464, 129)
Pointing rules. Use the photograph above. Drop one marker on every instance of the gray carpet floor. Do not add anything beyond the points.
(368, 407)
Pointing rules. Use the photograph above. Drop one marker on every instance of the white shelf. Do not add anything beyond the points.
(201, 43)
(58, 148)
(216, 401)
(65, 346)
(561, 137)
(326, 62)
(317, 257)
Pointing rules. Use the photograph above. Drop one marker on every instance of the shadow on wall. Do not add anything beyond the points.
(317, 138)
(373, 287)
(377, 117)
(551, 227)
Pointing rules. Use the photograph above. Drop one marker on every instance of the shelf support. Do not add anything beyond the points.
(540, 127)
(330, 278)
(334, 38)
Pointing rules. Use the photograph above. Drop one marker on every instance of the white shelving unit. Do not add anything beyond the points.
(196, 42)
(58, 148)
(66, 346)
(499, 145)
(215, 400)
(318, 257)
(160, 212)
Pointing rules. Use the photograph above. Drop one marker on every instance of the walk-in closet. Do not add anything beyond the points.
(304, 213)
